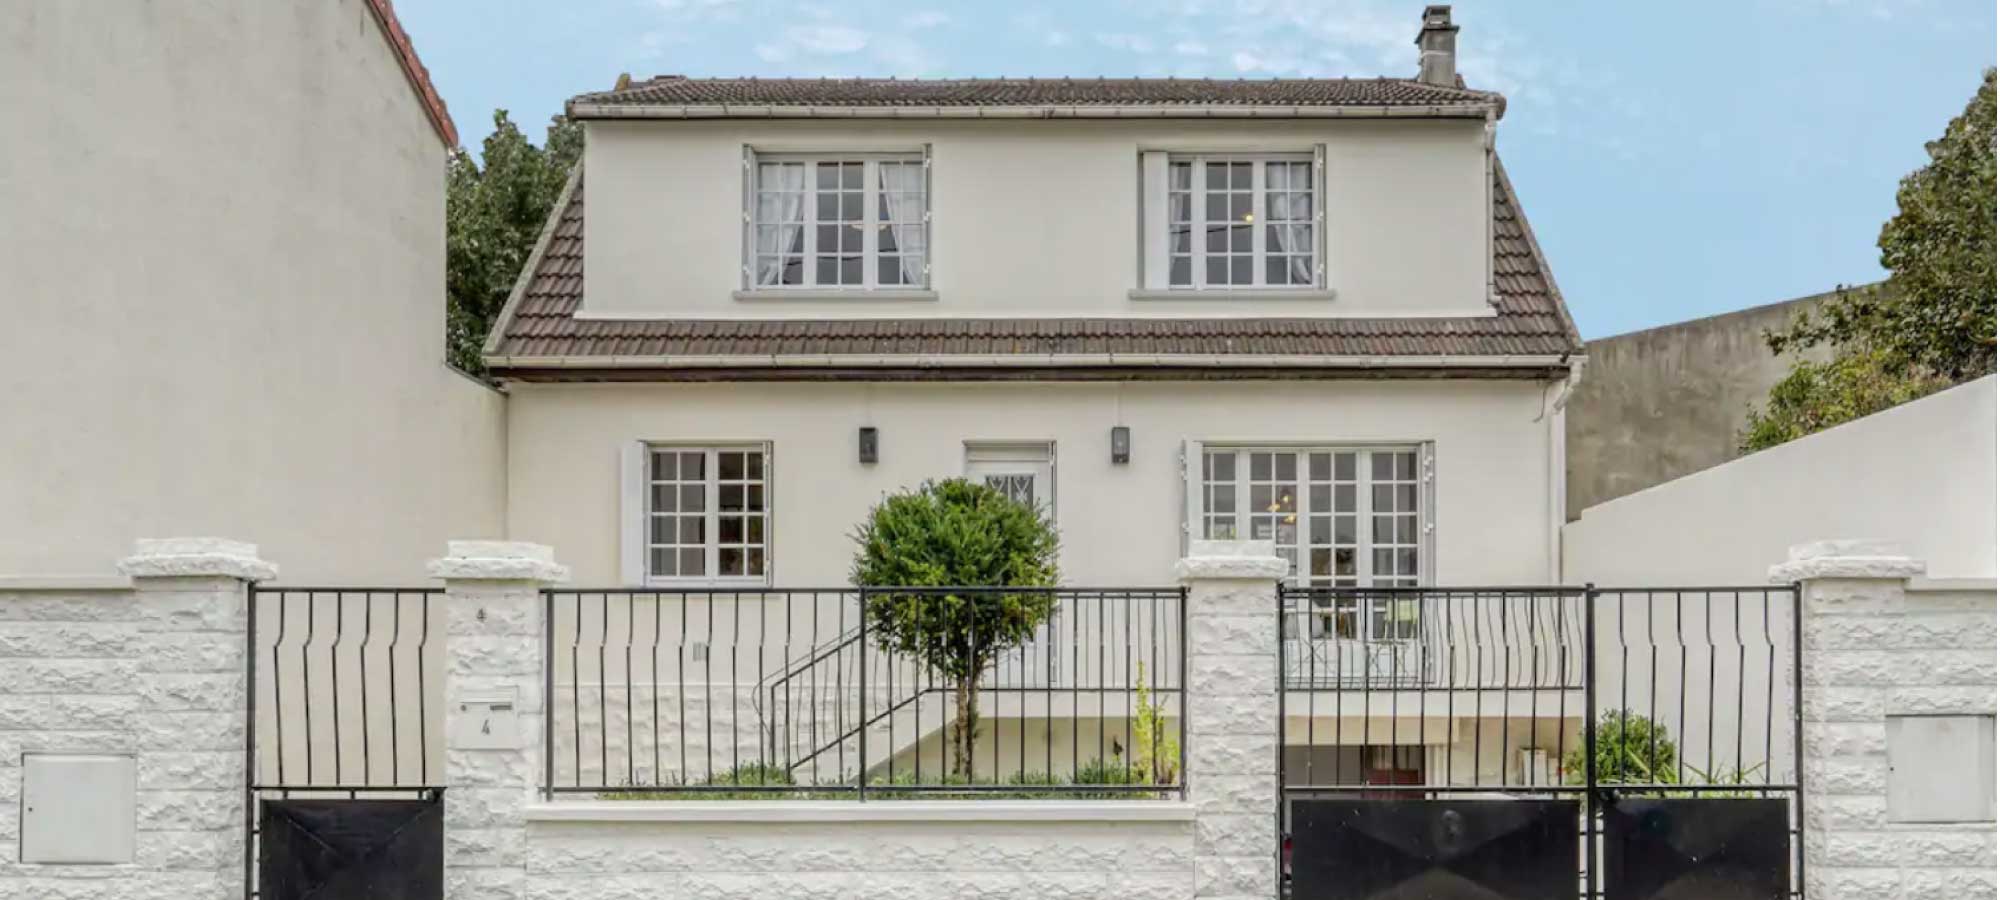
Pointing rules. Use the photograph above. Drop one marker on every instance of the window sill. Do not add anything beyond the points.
(848, 811)
(1227, 294)
(697, 584)
(820, 296)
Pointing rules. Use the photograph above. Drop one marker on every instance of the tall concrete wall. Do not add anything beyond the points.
(222, 282)
(1665, 402)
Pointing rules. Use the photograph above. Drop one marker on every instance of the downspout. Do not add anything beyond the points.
(1555, 415)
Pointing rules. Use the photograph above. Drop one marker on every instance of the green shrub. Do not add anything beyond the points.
(1631, 749)
(955, 533)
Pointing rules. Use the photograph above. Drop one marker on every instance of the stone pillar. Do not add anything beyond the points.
(190, 603)
(1232, 712)
(1872, 651)
(493, 762)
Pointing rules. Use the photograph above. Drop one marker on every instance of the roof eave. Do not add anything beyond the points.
(1027, 360)
(1472, 110)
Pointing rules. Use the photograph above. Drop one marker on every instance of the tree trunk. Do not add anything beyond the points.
(965, 728)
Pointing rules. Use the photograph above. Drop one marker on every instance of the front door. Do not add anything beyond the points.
(1023, 470)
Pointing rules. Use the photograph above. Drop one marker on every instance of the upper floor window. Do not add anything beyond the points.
(1233, 221)
(855, 221)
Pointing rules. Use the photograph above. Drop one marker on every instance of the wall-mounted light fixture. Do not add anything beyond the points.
(868, 445)
(1121, 445)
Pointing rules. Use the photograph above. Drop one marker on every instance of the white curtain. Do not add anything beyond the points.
(1180, 228)
(780, 219)
(1291, 213)
(902, 187)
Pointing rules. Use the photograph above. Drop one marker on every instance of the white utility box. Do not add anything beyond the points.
(78, 808)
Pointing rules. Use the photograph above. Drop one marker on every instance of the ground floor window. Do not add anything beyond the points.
(1342, 517)
(708, 515)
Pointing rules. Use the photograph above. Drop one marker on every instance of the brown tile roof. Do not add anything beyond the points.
(413, 69)
(676, 90)
(1531, 321)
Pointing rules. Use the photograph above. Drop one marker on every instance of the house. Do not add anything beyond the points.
(1310, 311)
(223, 247)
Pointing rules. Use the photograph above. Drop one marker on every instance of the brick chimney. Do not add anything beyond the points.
(1437, 47)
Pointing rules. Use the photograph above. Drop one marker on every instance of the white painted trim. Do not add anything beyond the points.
(1027, 360)
(584, 110)
(1217, 295)
(1227, 295)
(804, 811)
(781, 295)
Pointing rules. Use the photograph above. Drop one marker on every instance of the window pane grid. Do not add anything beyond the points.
(840, 223)
(1241, 223)
(1339, 517)
(708, 513)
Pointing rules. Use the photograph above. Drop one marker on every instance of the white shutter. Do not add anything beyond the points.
(1153, 220)
(1320, 194)
(1191, 505)
(632, 514)
(749, 260)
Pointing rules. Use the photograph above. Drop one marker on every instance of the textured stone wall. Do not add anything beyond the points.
(156, 671)
(861, 860)
(1873, 649)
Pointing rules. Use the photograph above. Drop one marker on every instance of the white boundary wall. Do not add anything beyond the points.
(1921, 473)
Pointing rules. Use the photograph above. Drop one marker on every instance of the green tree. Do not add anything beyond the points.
(493, 213)
(1931, 324)
(955, 533)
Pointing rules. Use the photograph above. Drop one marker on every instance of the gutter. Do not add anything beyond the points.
(1491, 109)
(1024, 360)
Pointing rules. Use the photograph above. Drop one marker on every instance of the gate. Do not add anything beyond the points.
(345, 704)
(1624, 744)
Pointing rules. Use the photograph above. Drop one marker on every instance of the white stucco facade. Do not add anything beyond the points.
(1040, 218)
(222, 253)
(1496, 507)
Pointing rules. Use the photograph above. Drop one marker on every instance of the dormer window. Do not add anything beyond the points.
(1233, 221)
(841, 222)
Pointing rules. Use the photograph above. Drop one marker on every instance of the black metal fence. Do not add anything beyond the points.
(344, 698)
(856, 693)
(1619, 699)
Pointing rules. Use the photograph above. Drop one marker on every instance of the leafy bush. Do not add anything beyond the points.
(1631, 749)
(955, 533)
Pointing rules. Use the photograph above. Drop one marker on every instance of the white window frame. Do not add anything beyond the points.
(871, 220)
(1037, 458)
(638, 515)
(1193, 456)
(1156, 231)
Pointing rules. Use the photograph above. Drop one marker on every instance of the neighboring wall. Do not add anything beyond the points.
(1921, 474)
(1121, 524)
(1040, 217)
(1665, 402)
(222, 269)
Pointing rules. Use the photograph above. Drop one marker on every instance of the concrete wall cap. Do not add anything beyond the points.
(499, 561)
(196, 557)
(1231, 559)
(1847, 558)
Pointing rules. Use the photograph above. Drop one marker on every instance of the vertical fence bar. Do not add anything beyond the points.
(1798, 725)
(1590, 739)
(250, 743)
(861, 681)
(548, 694)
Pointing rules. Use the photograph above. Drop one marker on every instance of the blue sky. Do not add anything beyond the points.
(1677, 159)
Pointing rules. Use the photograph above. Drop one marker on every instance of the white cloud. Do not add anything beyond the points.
(1191, 48)
(928, 18)
(1056, 38)
(827, 38)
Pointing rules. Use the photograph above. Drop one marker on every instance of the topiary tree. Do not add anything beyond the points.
(955, 533)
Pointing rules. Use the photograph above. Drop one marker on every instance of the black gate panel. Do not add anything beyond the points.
(1698, 849)
(351, 850)
(1434, 849)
